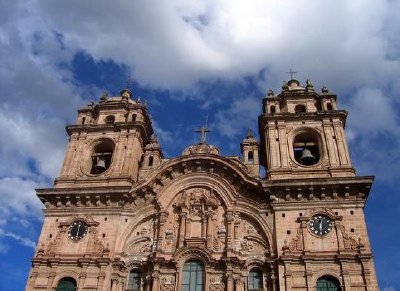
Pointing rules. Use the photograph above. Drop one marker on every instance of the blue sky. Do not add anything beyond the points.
(189, 60)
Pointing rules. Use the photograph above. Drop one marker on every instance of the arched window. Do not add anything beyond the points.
(83, 120)
(134, 117)
(300, 108)
(328, 283)
(134, 281)
(110, 119)
(250, 157)
(329, 106)
(255, 280)
(193, 276)
(272, 109)
(151, 160)
(66, 284)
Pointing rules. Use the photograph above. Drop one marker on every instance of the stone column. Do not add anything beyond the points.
(203, 227)
(229, 235)
(182, 228)
(156, 281)
(50, 280)
(239, 284)
(32, 280)
(114, 283)
(209, 230)
(229, 282)
(81, 280)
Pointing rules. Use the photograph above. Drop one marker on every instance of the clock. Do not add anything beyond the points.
(320, 225)
(77, 230)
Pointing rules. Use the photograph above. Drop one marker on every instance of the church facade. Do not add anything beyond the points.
(122, 217)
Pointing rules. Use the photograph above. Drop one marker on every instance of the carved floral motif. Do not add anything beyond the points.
(167, 283)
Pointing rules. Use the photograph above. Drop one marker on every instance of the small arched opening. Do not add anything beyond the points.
(272, 109)
(250, 157)
(328, 283)
(102, 156)
(193, 276)
(67, 284)
(300, 108)
(151, 161)
(255, 280)
(134, 116)
(329, 106)
(306, 148)
(110, 119)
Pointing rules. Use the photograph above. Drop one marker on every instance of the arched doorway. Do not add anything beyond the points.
(66, 284)
(193, 276)
(328, 283)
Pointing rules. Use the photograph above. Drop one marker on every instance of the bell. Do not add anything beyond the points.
(100, 166)
(306, 157)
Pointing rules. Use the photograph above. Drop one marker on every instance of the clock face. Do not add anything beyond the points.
(77, 230)
(320, 225)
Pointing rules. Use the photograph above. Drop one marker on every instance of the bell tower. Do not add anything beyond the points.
(302, 134)
(107, 143)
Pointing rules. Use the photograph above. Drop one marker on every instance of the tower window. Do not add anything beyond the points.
(255, 280)
(300, 108)
(66, 284)
(134, 281)
(328, 283)
(102, 156)
(250, 157)
(110, 119)
(134, 117)
(83, 120)
(329, 106)
(151, 160)
(305, 149)
(272, 109)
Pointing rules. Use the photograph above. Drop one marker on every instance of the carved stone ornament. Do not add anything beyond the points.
(217, 282)
(348, 242)
(296, 244)
(197, 200)
(167, 283)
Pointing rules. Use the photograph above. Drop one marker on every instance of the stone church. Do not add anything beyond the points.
(121, 216)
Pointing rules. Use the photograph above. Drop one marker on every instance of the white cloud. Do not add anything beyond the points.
(240, 116)
(22, 240)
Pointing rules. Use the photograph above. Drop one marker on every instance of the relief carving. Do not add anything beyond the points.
(296, 244)
(349, 242)
(217, 283)
(167, 283)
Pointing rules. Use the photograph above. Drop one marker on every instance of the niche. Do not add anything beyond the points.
(110, 119)
(300, 108)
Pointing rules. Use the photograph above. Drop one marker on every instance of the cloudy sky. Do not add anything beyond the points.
(189, 60)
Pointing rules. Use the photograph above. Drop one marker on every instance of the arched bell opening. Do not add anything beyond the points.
(306, 148)
(67, 284)
(328, 283)
(101, 156)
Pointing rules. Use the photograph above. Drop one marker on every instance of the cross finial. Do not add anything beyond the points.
(203, 131)
(129, 82)
(292, 73)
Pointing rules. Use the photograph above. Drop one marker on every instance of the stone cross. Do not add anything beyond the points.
(203, 131)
